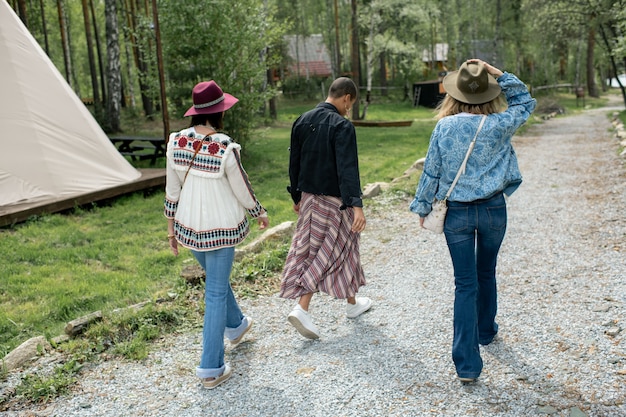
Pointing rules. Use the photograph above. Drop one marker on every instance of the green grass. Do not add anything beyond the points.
(59, 267)
(569, 102)
(38, 388)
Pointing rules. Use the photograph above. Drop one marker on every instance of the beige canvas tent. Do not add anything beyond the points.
(51, 145)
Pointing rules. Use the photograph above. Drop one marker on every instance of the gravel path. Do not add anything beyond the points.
(562, 297)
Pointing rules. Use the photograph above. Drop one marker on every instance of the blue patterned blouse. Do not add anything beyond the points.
(492, 166)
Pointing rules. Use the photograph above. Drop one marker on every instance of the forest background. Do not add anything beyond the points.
(146, 55)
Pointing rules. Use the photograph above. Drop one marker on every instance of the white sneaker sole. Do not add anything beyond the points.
(467, 380)
(212, 383)
(308, 333)
(357, 313)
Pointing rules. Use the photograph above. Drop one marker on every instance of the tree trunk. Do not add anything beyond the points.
(383, 74)
(21, 11)
(114, 74)
(92, 62)
(369, 66)
(337, 48)
(611, 54)
(516, 5)
(79, 325)
(140, 63)
(159, 55)
(495, 57)
(579, 58)
(270, 82)
(354, 54)
(128, 90)
(99, 52)
(44, 26)
(129, 83)
(591, 81)
(65, 42)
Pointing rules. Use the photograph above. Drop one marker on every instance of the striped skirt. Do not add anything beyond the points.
(324, 254)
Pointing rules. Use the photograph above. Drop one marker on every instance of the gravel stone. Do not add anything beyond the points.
(562, 287)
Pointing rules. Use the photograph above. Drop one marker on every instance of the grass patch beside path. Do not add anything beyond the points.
(60, 267)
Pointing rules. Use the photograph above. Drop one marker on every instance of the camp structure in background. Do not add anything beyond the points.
(309, 56)
(53, 150)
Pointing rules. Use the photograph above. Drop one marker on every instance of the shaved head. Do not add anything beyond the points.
(342, 86)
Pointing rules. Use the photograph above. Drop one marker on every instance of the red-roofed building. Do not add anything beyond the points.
(309, 56)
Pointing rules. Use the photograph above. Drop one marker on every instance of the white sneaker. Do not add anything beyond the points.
(301, 320)
(361, 306)
(247, 321)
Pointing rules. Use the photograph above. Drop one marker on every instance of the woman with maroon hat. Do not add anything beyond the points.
(208, 199)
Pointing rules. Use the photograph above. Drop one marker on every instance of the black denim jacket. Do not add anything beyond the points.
(323, 156)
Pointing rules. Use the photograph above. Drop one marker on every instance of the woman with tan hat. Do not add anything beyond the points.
(208, 199)
(476, 219)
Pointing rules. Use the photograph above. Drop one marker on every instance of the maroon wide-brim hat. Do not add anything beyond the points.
(209, 98)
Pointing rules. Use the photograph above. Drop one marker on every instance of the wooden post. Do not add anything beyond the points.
(159, 53)
(580, 93)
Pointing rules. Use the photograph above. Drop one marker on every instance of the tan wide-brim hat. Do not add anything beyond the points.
(471, 84)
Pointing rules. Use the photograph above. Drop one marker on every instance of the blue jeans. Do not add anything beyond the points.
(221, 310)
(474, 232)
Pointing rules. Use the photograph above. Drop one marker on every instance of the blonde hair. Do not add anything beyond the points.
(450, 106)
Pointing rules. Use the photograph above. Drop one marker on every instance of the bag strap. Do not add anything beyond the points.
(194, 157)
(469, 151)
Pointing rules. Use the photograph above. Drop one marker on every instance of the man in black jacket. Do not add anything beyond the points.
(326, 191)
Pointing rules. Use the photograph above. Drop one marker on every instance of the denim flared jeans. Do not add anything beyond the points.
(221, 311)
(474, 232)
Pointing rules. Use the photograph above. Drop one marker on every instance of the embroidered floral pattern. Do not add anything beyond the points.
(208, 157)
(213, 148)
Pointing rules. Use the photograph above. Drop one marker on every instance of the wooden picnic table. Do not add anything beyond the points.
(140, 147)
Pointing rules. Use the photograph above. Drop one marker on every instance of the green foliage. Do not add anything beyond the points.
(620, 24)
(126, 334)
(38, 388)
(304, 89)
(230, 48)
(564, 103)
(390, 28)
(260, 272)
(236, 42)
(3, 371)
(141, 324)
(133, 331)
